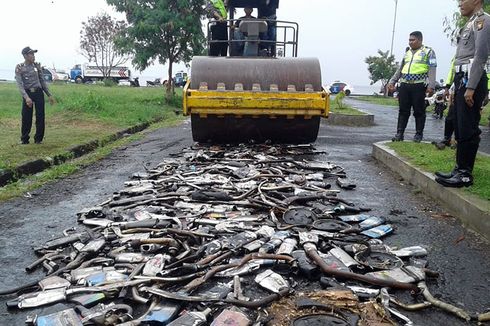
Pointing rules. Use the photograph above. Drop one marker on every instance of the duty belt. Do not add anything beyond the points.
(461, 68)
(33, 89)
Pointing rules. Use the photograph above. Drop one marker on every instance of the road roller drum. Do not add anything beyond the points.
(235, 100)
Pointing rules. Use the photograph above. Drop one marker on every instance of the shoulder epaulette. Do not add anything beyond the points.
(18, 67)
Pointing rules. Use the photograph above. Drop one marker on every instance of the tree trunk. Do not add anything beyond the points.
(170, 82)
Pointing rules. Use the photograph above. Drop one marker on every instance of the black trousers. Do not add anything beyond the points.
(467, 130)
(37, 98)
(219, 32)
(449, 123)
(412, 96)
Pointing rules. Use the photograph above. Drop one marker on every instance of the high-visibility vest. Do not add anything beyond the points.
(416, 63)
(220, 6)
(450, 75)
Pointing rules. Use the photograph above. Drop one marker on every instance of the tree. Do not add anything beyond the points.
(453, 24)
(381, 68)
(97, 42)
(161, 30)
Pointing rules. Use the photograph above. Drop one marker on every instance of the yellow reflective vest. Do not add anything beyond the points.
(220, 7)
(450, 75)
(416, 64)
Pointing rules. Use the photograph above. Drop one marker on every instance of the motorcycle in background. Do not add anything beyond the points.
(440, 101)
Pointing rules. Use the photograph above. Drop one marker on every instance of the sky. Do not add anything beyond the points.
(341, 34)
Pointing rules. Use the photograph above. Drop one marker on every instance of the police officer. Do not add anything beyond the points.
(471, 87)
(416, 69)
(449, 121)
(32, 86)
(216, 9)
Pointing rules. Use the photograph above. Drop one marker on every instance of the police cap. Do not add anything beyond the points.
(28, 50)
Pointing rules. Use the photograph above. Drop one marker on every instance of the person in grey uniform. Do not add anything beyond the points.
(32, 86)
(470, 89)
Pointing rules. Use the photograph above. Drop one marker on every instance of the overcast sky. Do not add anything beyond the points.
(340, 33)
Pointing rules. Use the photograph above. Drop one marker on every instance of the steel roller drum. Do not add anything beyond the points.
(263, 71)
(248, 71)
(231, 130)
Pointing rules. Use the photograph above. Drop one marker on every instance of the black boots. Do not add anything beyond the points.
(418, 137)
(447, 175)
(443, 143)
(400, 129)
(419, 128)
(462, 178)
(402, 124)
(461, 175)
(398, 137)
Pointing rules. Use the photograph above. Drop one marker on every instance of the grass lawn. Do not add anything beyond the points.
(338, 105)
(82, 113)
(428, 158)
(346, 109)
(485, 116)
(381, 100)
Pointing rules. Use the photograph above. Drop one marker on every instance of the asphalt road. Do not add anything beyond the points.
(461, 257)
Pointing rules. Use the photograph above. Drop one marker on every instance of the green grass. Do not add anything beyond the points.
(381, 100)
(338, 105)
(428, 158)
(58, 172)
(82, 113)
(485, 116)
(346, 109)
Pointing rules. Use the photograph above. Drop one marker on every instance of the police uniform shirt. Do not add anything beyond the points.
(473, 47)
(29, 77)
(429, 57)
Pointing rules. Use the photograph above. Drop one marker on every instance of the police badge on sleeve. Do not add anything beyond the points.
(479, 24)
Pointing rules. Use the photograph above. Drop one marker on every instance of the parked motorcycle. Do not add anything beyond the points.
(440, 101)
(156, 82)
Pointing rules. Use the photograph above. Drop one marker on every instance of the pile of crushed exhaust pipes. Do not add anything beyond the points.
(221, 235)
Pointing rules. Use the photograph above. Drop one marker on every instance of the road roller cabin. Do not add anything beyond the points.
(256, 95)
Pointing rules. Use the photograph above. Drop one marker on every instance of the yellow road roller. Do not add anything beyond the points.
(261, 92)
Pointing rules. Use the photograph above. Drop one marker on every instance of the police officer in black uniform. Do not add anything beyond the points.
(470, 89)
(32, 86)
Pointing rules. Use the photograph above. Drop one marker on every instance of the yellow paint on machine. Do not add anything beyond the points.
(248, 103)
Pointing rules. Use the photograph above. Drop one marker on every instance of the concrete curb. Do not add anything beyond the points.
(338, 119)
(473, 212)
(39, 165)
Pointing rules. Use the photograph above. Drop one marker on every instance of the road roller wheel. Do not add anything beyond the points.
(233, 130)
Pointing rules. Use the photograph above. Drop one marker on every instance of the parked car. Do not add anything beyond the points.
(50, 75)
(338, 86)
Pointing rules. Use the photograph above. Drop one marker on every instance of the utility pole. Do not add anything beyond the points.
(394, 26)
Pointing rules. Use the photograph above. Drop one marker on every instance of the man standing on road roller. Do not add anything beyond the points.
(32, 86)
(470, 87)
(417, 68)
(216, 9)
